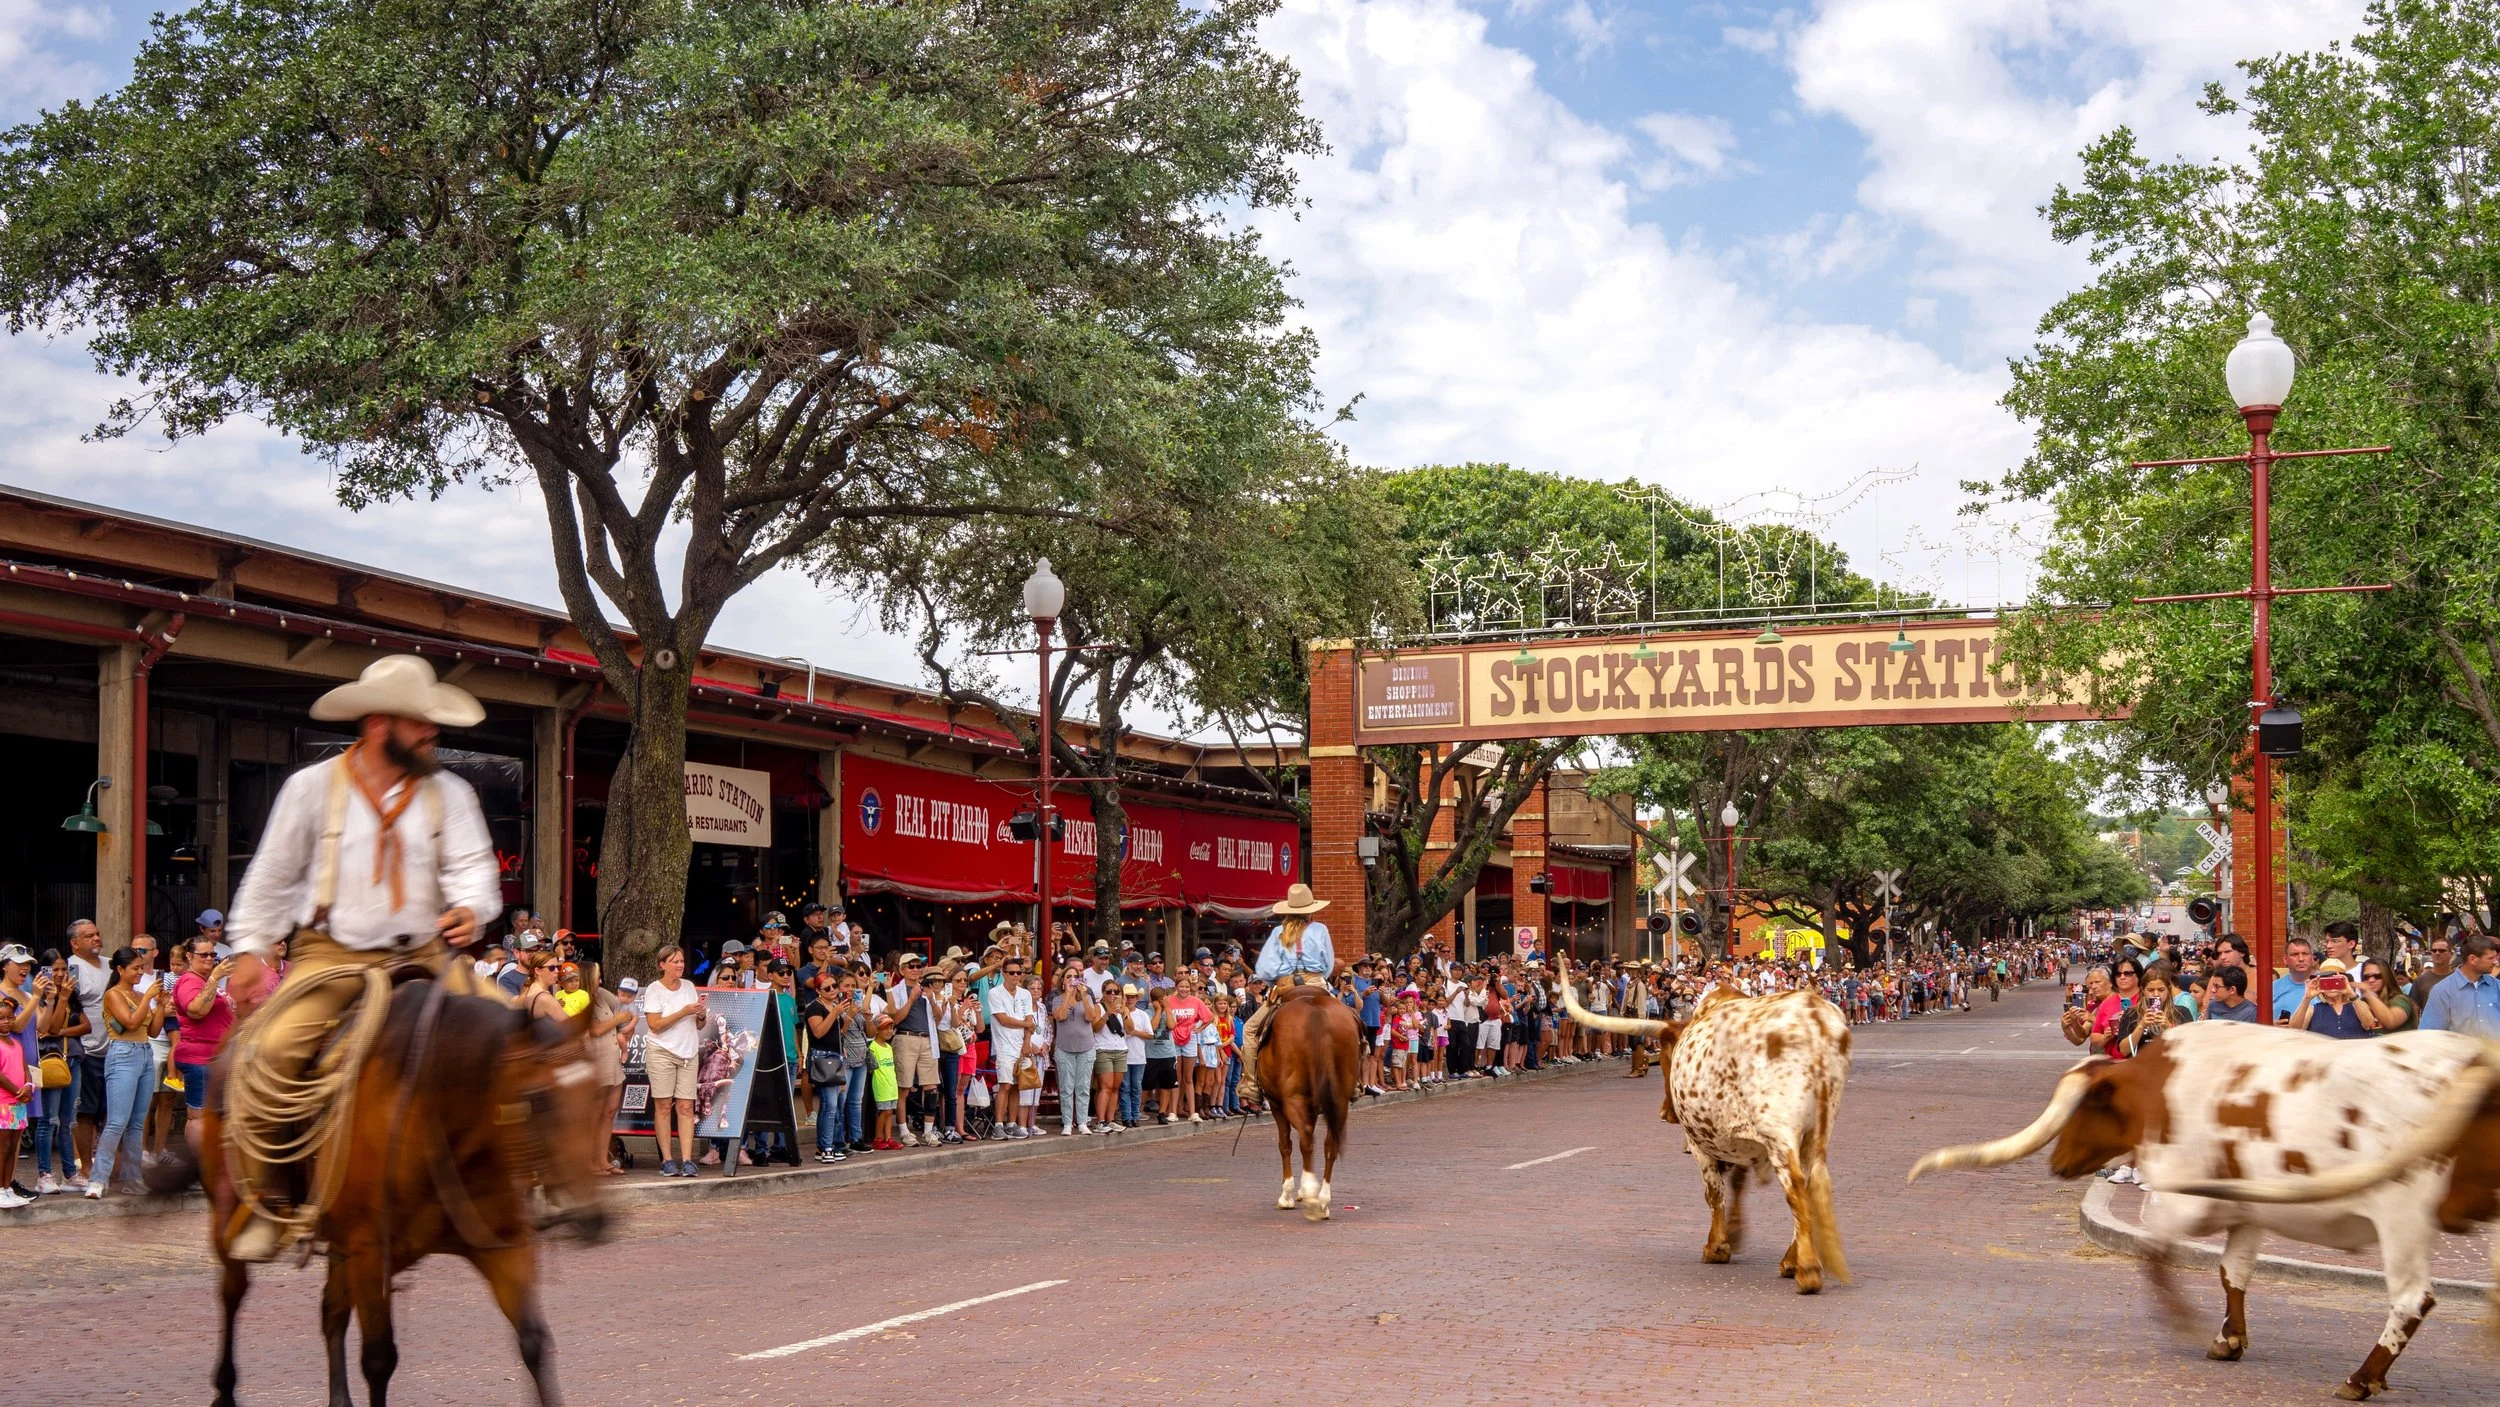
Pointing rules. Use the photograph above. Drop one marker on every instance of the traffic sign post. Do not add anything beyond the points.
(1674, 885)
(1888, 888)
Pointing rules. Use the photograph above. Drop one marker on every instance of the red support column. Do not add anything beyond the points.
(1337, 801)
(1438, 843)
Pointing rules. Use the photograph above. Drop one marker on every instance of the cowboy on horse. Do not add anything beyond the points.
(1298, 953)
(372, 860)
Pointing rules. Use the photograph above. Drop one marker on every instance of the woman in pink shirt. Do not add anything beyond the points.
(207, 1014)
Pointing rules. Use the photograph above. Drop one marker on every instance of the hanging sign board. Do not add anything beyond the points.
(1821, 676)
(729, 805)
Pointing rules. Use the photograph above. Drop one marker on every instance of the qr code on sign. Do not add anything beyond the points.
(637, 1098)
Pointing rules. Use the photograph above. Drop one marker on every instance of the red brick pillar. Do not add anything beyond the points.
(1438, 842)
(1527, 858)
(1337, 801)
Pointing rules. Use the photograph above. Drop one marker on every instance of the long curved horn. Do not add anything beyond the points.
(2432, 1138)
(1617, 1025)
(2062, 1107)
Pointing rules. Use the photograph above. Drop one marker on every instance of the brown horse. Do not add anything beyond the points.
(1308, 1066)
(440, 1160)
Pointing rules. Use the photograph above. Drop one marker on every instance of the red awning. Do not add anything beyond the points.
(944, 836)
(1577, 884)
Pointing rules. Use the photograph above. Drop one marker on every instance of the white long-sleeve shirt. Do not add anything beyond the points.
(276, 896)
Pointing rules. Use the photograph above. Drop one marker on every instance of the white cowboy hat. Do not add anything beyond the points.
(402, 686)
(1298, 900)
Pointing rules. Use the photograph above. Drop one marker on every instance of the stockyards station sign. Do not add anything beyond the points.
(729, 805)
(1937, 671)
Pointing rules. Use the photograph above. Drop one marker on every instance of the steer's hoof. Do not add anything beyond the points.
(2352, 1392)
(1809, 1281)
(1719, 1254)
(2226, 1349)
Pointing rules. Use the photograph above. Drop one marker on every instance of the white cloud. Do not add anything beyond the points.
(1973, 111)
(1690, 147)
(1470, 264)
(1825, 247)
(1593, 34)
(32, 72)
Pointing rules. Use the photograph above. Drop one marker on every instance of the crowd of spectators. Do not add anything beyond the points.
(102, 1058)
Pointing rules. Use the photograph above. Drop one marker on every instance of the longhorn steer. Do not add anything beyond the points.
(1756, 1082)
(2247, 1129)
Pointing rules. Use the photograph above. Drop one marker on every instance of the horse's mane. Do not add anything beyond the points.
(468, 1038)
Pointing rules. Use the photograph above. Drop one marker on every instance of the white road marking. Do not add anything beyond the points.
(896, 1322)
(1551, 1158)
(1970, 1050)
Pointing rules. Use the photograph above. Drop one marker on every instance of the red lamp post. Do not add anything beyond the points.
(1728, 819)
(2259, 372)
(1044, 596)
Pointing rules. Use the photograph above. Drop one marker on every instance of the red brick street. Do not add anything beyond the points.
(1451, 1271)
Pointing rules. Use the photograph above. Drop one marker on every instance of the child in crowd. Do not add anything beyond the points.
(881, 1088)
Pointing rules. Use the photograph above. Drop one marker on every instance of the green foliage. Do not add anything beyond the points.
(2366, 223)
(747, 276)
(1985, 823)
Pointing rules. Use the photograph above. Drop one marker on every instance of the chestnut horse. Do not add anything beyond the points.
(462, 1107)
(1308, 1066)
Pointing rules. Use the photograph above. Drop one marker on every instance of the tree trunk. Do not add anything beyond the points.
(2378, 932)
(643, 855)
(1110, 825)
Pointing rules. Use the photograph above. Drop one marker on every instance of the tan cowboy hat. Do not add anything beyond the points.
(1298, 900)
(402, 686)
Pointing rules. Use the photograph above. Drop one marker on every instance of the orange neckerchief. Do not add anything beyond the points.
(387, 852)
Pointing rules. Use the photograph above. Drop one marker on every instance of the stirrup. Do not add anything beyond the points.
(260, 1234)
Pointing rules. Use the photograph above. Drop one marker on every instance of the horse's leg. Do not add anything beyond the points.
(368, 1274)
(512, 1273)
(1306, 1129)
(234, 1280)
(1284, 1148)
(1328, 1169)
(337, 1302)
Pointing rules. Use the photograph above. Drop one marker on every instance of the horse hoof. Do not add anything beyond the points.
(1313, 1209)
(2227, 1350)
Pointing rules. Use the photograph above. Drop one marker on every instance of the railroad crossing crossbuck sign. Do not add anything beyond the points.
(1672, 878)
(1888, 885)
(2218, 847)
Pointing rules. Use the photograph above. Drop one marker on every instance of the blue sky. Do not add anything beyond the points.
(1729, 249)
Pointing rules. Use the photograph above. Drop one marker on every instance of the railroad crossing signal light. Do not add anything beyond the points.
(2204, 910)
(1658, 923)
(1689, 923)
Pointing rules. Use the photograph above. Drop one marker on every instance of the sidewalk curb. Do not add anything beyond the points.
(2103, 1228)
(760, 1182)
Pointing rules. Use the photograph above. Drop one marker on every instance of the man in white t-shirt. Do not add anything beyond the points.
(1012, 1014)
(1098, 973)
(87, 970)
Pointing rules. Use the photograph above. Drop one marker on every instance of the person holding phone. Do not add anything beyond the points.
(1073, 1016)
(2327, 1007)
(207, 1014)
(134, 1011)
